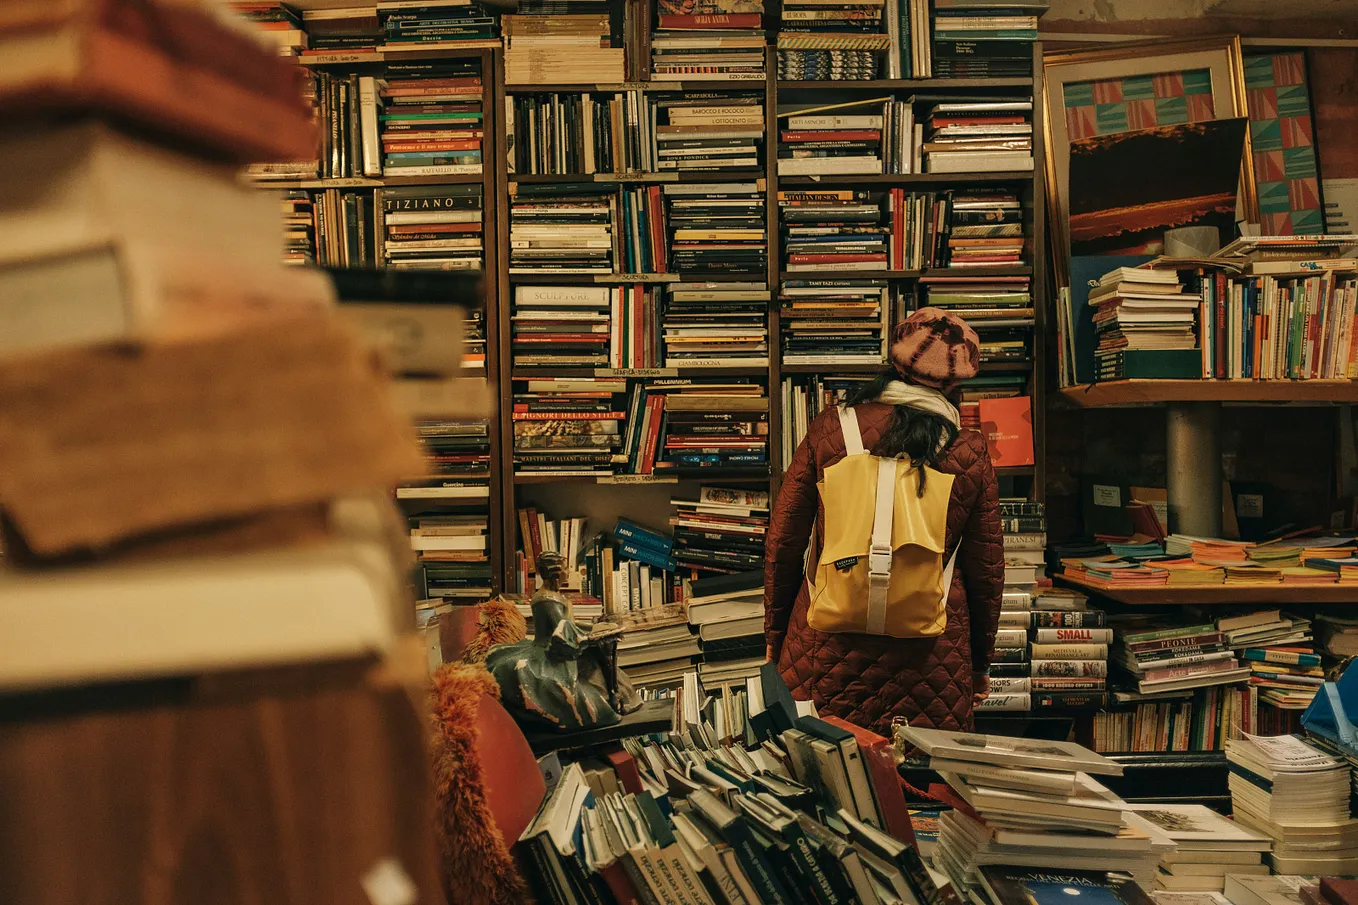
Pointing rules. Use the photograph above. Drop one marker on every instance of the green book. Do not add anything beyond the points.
(1151, 364)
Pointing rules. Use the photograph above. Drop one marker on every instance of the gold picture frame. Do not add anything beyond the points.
(1220, 56)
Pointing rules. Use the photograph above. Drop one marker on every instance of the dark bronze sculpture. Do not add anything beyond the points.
(562, 677)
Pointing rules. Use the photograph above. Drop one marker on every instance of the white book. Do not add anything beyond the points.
(839, 166)
(968, 162)
(448, 543)
(367, 119)
(206, 613)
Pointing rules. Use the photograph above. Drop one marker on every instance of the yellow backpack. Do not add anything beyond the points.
(881, 570)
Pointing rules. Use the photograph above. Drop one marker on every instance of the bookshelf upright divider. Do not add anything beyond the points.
(775, 374)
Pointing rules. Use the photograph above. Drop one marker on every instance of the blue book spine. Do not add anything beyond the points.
(639, 536)
(642, 554)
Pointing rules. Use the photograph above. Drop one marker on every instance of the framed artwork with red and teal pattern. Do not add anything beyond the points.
(1283, 142)
(1132, 87)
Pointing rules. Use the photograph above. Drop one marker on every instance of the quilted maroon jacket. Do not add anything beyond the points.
(869, 679)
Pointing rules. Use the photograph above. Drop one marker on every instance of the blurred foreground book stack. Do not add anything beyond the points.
(196, 456)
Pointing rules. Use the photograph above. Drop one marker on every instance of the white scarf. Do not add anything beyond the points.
(898, 392)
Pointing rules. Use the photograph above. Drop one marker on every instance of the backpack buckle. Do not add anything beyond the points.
(879, 559)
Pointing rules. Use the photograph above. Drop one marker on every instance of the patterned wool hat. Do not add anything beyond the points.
(936, 349)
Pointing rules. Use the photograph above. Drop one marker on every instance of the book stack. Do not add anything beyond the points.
(727, 613)
(436, 227)
(1068, 649)
(426, 119)
(564, 42)
(715, 40)
(820, 42)
(299, 227)
(705, 131)
(429, 25)
(1141, 315)
(657, 648)
(717, 230)
(1283, 664)
(448, 517)
(806, 397)
(225, 518)
(341, 34)
(567, 427)
(1336, 636)
(979, 136)
(563, 326)
(804, 149)
(722, 531)
(714, 426)
(716, 325)
(452, 552)
(836, 138)
(639, 224)
(279, 23)
(1172, 657)
(561, 229)
(834, 322)
(1036, 805)
(998, 243)
(984, 39)
(1208, 848)
(1297, 795)
(833, 230)
(564, 134)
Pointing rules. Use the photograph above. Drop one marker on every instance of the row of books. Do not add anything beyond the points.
(634, 131)
(1285, 319)
(407, 228)
(851, 229)
(683, 228)
(361, 33)
(713, 39)
(581, 427)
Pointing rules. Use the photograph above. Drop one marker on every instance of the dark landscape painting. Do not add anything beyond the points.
(1127, 189)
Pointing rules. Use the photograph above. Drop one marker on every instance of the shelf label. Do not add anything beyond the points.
(347, 182)
(636, 177)
(637, 86)
(636, 278)
(636, 372)
(636, 479)
(330, 59)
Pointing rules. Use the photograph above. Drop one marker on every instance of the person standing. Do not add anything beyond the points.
(905, 412)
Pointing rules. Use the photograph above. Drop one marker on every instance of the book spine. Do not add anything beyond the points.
(1073, 635)
(1069, 651)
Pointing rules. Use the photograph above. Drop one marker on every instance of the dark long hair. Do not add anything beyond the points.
(921, 436)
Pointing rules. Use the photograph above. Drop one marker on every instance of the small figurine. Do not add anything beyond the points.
(561, 677)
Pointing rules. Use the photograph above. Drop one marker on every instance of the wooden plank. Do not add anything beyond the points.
(287, 786)
(1260, 392)
(1275, 592)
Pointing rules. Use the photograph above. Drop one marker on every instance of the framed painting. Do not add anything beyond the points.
(1283, 140)
(1110, 90)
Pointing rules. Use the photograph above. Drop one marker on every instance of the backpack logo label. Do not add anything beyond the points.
(846, 563)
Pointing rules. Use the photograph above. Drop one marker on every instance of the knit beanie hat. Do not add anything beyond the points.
(936, 349)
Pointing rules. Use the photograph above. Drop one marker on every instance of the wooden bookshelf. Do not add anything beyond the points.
(1257, 392)
(507, 490)
(1222, 594)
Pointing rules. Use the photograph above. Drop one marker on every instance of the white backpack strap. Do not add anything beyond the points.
(879, 554)
(853, 437)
